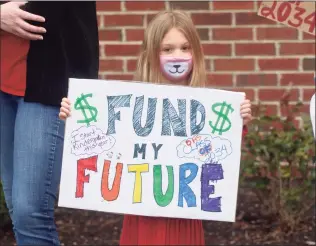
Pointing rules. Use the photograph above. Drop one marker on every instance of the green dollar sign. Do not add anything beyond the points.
(83, 105)
(225, 109)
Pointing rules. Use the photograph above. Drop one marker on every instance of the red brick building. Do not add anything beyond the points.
(243, 51)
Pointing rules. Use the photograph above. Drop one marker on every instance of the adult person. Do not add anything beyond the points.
(43, 44)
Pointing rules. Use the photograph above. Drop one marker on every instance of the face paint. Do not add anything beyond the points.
(174, 68)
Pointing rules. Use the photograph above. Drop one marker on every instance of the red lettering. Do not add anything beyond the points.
(310, 20)
(284, 11)
(267, 11)
(111, 194)
(297, 3)
(82, 165)
(188, 142)
(297, 17)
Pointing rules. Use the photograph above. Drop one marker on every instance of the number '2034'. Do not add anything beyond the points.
(280, 11)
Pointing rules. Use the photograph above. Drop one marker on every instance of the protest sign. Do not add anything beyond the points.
(297, 14)
(152, 150)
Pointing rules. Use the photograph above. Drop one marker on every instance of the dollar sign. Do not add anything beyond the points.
(83, 105)
(222, 116)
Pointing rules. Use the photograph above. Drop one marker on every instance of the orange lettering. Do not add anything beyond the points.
(111, 194)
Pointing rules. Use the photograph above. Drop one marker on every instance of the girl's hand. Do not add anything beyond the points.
(64, 109)
(245, 111)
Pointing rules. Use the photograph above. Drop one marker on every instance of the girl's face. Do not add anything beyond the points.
(175, 44)
(175, 57)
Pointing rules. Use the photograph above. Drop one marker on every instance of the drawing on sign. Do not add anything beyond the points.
(83, 105)
(205, 148)
(109, 154)
(223, 123)
(88, 140)
(299, 15)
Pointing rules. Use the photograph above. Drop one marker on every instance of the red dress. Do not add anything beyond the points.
(141, 230)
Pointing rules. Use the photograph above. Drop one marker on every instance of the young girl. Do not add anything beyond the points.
(171, 53)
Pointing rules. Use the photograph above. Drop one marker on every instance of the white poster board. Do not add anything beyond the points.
(181, 161)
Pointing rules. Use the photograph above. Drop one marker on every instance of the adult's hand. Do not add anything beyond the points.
(13, 21)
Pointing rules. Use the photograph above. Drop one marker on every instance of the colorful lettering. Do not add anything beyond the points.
(196, 107)
(82, 166)
(107, 193)
(137, 116)
(170, 117)
(163, 200)
(210, 172)
(193, 140)
(138, 169)
(116, 102)
(185, 192)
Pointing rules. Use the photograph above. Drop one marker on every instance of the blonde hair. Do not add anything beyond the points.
(148, 67)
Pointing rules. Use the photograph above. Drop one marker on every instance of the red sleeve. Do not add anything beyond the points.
(244, 131)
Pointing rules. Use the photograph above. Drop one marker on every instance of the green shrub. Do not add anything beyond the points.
(277, 165)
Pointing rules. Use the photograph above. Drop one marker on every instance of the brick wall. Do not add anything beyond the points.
(243, 51)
